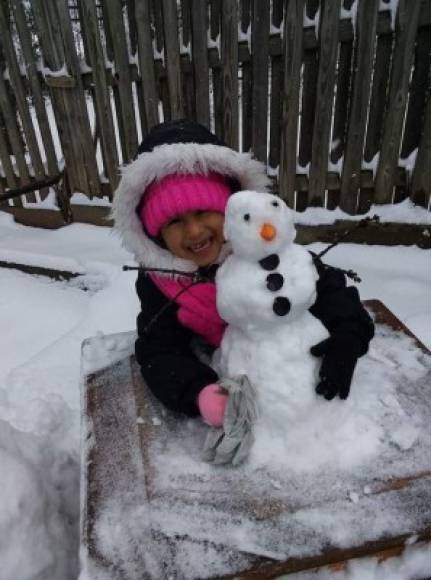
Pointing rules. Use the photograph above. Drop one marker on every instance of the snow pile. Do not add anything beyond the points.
(38, 511)
(404, 212)
(44, 324)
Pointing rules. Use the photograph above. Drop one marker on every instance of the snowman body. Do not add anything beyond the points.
(264, 290)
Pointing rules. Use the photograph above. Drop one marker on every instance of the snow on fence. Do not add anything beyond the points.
(332, 96)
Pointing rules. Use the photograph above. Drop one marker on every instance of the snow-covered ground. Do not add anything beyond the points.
(43, 324)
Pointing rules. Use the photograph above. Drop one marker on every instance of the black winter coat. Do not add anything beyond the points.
(165, 351)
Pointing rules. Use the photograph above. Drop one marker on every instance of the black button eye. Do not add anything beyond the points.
(247, 217)
(275, 203)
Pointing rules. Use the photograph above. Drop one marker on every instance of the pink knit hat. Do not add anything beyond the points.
(177, 193)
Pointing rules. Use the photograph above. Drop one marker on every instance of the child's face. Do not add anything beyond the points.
(195, 236)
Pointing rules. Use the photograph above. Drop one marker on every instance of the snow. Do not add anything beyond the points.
(312, 22)
(404, 212)
(392, 6)
(44, 323)
(82, 199)
(47, 72)
(352, 13)
(409, 162)
(243, 36)
(372, 164)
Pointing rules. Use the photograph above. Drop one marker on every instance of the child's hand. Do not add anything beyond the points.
(212, 404)
(340, 353)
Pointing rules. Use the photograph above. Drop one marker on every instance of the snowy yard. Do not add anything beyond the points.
(43, 324)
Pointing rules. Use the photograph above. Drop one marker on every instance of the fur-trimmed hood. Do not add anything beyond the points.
(164, 160)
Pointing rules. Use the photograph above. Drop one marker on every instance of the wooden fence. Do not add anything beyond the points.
(332, 95)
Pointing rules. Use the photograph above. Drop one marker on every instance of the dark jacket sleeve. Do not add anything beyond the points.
(339, 307)
(163, 350)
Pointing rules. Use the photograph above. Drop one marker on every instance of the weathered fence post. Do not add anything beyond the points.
(129, 139)
(172, 54)
(421, 182)
(146, 62)
(406, 27)
(105, 121)
(363, 69)
(229, 58)
(35, 84)
(260, 62)
(328, 36)
(200, 61)
(293, 51)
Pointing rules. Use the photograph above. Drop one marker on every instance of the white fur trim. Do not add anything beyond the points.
(165, 160)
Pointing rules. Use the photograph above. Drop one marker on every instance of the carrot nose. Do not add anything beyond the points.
(268, 232)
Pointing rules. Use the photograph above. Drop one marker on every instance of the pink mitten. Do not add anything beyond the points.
(212, 403)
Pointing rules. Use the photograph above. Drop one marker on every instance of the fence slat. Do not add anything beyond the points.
(15, 139)
(293, 51)
(378, 96)
(75, 99)
(229, 59)
(102, 99)
(85, 56)
(21, 101)
(275, 112)
(15, 142)
(36, 89)
(275, 105)
(186, 21)
(8, 170)
(246, 77)
(260, 62)
(344, 77)
(407, 22)
(309, 88)
(328, 35)
(157, 17)
(364, 53)
(186, 58)
(200, 61)
(277, 13)
(146, 62)
(122, 74)
(246, 105)
(419, 88)
(133, 31)
(48, 34)
(216, 73)
(172, 56)
(421, 180)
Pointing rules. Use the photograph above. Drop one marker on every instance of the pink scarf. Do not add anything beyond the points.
(197, 306)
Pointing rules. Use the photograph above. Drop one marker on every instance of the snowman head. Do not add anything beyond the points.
(257, 224)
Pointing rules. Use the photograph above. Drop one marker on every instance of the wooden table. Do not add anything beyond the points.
(125, 495)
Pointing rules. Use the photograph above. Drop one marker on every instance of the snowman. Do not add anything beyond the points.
(264, 290)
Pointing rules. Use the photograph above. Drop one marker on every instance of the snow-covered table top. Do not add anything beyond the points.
(151, 507)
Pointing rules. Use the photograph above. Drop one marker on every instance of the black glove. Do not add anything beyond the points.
(340, 353)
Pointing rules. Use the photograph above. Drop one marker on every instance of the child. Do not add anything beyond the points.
(169, 210)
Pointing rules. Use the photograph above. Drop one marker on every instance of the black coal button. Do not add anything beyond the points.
(274, 282)
(271, 262)
(281, 306)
